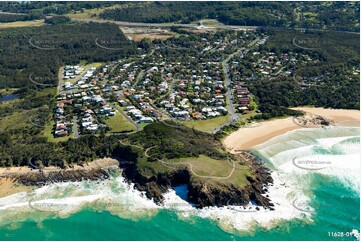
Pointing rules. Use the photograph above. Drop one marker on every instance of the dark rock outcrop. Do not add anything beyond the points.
(41, 178)
(202, 193)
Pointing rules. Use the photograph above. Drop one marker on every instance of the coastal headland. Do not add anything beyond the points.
(166, 156)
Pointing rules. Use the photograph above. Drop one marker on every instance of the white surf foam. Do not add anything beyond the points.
(62, 199)
(121, 199)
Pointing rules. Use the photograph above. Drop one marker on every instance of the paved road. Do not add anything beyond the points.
(10, 13)
(138, 78)
(61, 80)
(231, 110)
(139, 128)
(75, 127)
(161, 111)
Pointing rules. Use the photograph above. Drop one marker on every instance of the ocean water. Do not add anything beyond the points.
(315, 192)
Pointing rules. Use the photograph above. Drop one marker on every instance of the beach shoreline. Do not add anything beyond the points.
(242, 139)
(9, 185)
(248, 137)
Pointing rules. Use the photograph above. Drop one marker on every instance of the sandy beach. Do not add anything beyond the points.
(247, 137)
(8, 186)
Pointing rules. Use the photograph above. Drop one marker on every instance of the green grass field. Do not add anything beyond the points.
(16, 120)
(118, 123)
(208, 124)
(216, 170)
(19, 24)
(20, 118)
(7, 91)
(88, 13)
(206, 166)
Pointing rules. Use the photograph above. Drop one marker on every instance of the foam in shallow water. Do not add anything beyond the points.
(290, 192)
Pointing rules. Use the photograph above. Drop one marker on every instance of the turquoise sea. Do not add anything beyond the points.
(319, 201)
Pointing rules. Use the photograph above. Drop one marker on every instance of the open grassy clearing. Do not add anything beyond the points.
(46, 91)
(16, 120)
(139, 33)
(139, 37)
(208, 124)
(19, 24)
(244, 117)
(91, 13)
(215, 170)
(20, 118)
(118, 123)
(208, 22)
(7, 91)
(143, 125)
(205, 166)
(151, 167)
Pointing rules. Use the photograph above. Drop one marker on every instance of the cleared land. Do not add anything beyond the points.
(19, 24)
(213, 170)
(16, 120)
(208, 124)
(91, 13)
(139, 37)
(20, 118)
(118, 123)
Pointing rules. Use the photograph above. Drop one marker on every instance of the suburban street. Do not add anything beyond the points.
(139, 77)
(233, 116)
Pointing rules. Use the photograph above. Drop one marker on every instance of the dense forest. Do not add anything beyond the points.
(331, 82)
(37, 151)
(168, 142)
(6, 18)
(41, 51)
(275, 14)
(321, 15)
(50, 7)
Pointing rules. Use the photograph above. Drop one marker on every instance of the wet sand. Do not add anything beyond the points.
(247, 137)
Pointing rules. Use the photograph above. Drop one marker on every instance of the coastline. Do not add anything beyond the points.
(248, 137)
(21, 179)
(281, 193)
(8, 176)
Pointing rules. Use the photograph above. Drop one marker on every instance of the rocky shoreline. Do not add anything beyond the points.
(41, 178)
(201, 193)
(313, 120)
(18, 179)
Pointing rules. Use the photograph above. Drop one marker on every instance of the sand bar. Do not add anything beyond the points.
(247, 137)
